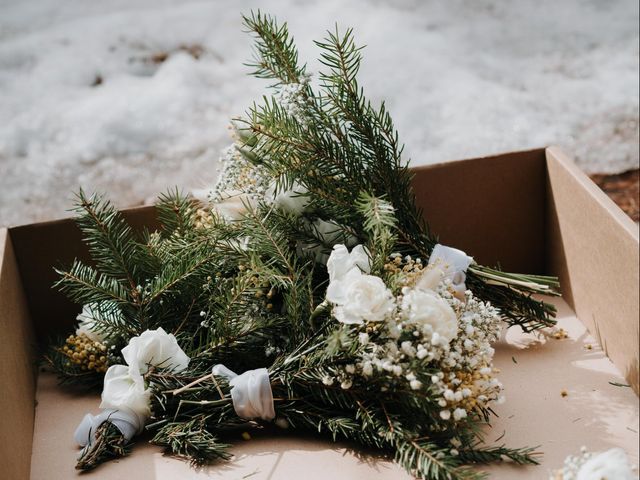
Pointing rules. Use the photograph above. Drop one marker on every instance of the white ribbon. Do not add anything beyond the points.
(454, 263)
(250, 392)
(128, 422)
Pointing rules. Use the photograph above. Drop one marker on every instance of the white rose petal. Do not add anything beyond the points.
(424, 307)
(87, 318)
(341, 261)
(124, 389)
(360, 298)
(336, 291)
(157, 348)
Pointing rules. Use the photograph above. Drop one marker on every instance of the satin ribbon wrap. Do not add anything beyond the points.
(128, 422)
(454, 264)
(250, 392)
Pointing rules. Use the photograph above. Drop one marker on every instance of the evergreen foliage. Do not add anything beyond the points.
(340, 147)
(250, 293)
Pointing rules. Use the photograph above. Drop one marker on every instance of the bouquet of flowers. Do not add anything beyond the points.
(309, 269)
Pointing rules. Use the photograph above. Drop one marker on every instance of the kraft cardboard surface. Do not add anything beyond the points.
(593, 248)
(16, 368)
(527, 211)
(535, 370)
(493, 208)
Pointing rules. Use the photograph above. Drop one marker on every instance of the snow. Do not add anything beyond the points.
(131, 98)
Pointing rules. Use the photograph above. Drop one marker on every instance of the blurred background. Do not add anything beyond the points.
(132, 97)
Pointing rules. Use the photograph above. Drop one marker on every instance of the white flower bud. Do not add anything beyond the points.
(459, 414)
(415, 384)
(445, 414)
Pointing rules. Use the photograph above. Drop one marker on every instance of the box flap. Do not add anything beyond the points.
(17, 369)
(593, 248)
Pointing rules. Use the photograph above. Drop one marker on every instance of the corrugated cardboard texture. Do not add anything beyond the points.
(493, 208)
(593, 247)
(42, 246)
(17, 371)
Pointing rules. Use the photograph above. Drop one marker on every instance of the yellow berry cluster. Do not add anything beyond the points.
(470, 380)
(409, 268)
(85, 353)
(560, 334)
(203, 218)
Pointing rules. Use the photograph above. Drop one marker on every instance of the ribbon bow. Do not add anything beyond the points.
(250, 392)
(454, 264)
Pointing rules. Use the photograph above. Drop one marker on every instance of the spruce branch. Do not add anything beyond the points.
(341, 145)
(176, 213)
(109, 443)
(484, 455)
(83, 284)
(191, 440)
(276, 56)
(111, 241)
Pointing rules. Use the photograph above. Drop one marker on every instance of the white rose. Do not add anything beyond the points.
(124, 389)
(234, 204)
(157, 348)
(87, 319)
(612, 464)
(425, 307)
(341, 261)
(292, 201)
(360, 298)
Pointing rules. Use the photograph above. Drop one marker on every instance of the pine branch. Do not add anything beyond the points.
(108, 444)
(381, 225)
(83, 284)
(176, 213)
(428, 461)
(111, 242)
(276, 56)
(519, 456)
(191, 440)
(341, 145)
(70, 374)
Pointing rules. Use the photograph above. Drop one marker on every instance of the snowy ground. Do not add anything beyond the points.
(131, 97)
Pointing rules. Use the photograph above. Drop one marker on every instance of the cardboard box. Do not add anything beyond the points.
(531, 211)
